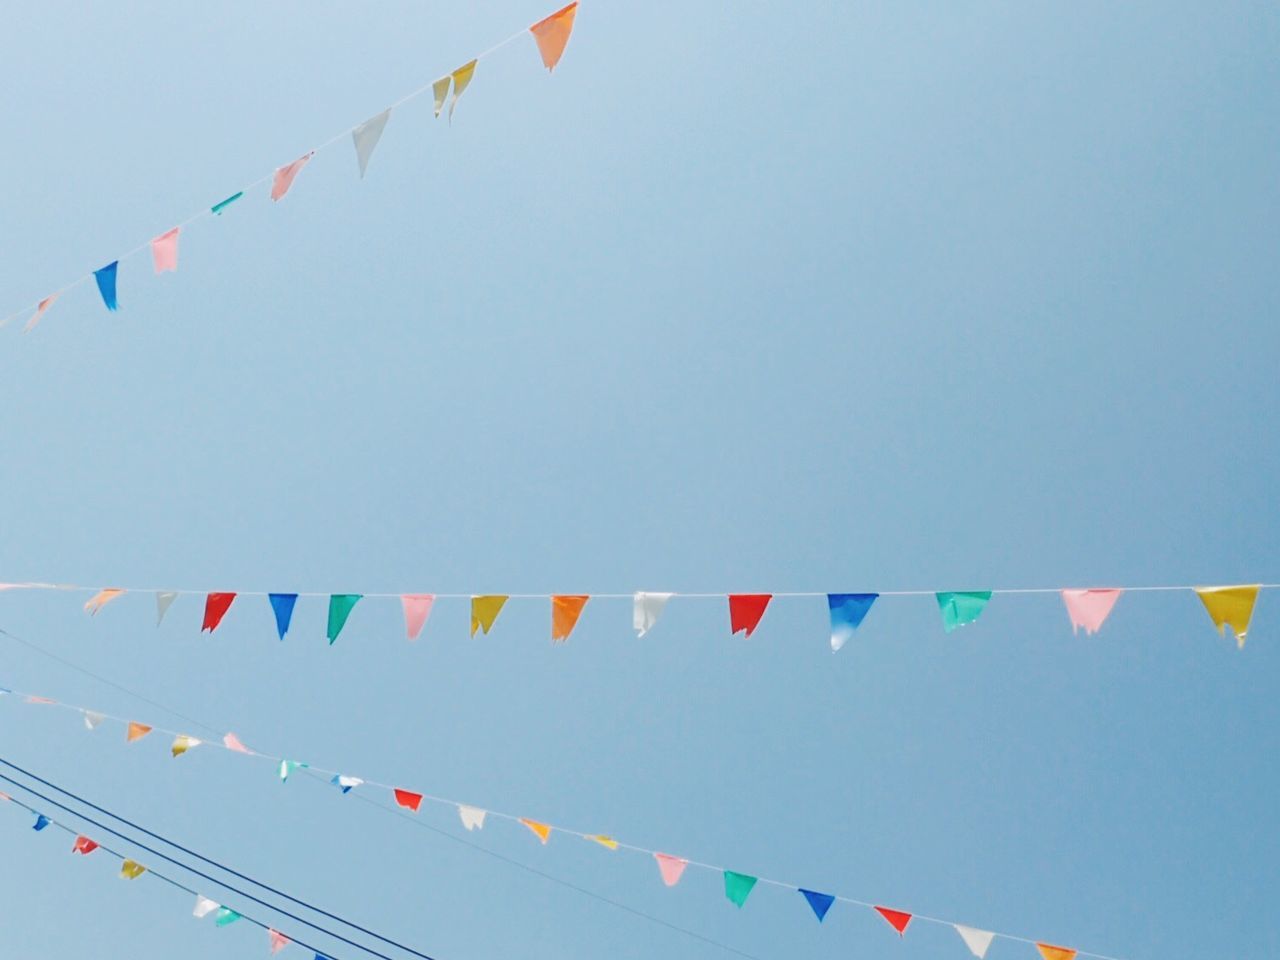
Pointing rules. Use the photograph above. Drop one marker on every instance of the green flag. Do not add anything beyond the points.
(737, 886)
(960, 608)
(340, 605)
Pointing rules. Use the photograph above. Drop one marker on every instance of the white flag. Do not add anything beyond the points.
(976, 940)
(366, 137)
(648, 607)
(204, 907)
(472, 817)
(164, 599)
(92, 719)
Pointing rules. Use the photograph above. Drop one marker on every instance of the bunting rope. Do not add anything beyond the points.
(551, 35)
(738, 885)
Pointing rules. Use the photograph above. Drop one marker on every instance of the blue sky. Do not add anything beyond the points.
(841, 297)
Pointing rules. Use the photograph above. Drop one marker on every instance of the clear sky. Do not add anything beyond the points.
(743, 297)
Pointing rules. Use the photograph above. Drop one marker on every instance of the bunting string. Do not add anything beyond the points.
(671, 868)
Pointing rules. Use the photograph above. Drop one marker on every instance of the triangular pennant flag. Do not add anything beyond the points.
(472, 817)
(39, 700)
(895, 918)
(101, 599)
(961, 607)
(540, 830)
(164, 600)
(646, 609)
(746, 609)
(215, 608)
(847, 612)
(287, 767)
(204, 907)
(553, 33)
(565, 611)
(820, 903)
(340, 605)
(182, 743)
(417, 607)
(485, 610)
(282, 606)
(136, 731)
(440, 90)
(345, 783)
(1230, 607)
(461, 80)
(92, 718)
(164, 251)
(41, 822)
(1050, 952)
(978, 941)
(232, 742)
(1089, 608)
(607, 842)
(671, 868)
(366, 136)
(221, 205)
(41, 307)
(738, 886)
(283, 178)
(408, 799)
(276, 940)
(224, 916)
(131, 870)
(106, 278)
(84, 846)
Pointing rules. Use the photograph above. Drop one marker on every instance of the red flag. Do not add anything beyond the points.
(896, 918)
(553, 33)
(215, 607)
(407, 799)
(746, 609)
(84, 845)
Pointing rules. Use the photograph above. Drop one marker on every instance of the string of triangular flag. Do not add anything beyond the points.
(551, 34)
(671, 868)
(1087, 609)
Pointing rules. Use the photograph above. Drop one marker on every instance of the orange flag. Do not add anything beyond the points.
(1050, 952)
(136, 731)
(407, 798)
(540, 830)
(101, 599)
(553, 33)
(565, 611)
(898, 919)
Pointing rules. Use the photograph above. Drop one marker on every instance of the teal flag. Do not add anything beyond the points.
(340, 605)
(224, 916)
(962, 607)
(737, 886)
(223, 204)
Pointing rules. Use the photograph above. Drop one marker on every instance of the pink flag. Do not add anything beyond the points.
(164, 251)
(417, 607)
(284, 176)
(232, 742)
(277, 940)
(41, 307)
(672, 868)
(1088, 608)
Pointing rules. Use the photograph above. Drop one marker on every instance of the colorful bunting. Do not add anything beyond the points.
(671, 868)
(216, 606)
(101, 599)
(164, 251)
(282, 606)
(961, 607)
(407, 798)
(540, 830)
(106, 278)
(847, 611)
(340, 605)
(552, 33)
(472, 817)
(565, 611)
(485, 610)
(345, 783)
(738, 886)
(41, 307)
(164, 600)
(745, 611)
(136, 731)
(417, 607)
(819, 902)
(92, 718)
(221, 205)
(366, 137)
(224, 916)
(645, 610)
(131, 870)
(1050, 952)
(1230, 607)
(1089, 608)
(440, 90)
(204, 907)
(283, 179)
(232, 742)
(276, 941)
(41, 822)
(461, 80)
(895, 918)
(84, 846)
(978, 941)
(182, 743)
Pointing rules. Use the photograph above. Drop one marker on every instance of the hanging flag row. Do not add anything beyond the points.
(551, 34)
(738, 886)
(1087, 609)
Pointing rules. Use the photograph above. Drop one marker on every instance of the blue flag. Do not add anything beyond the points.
(821, 902)
(41, 822)
(847, 611)
(282, 604)
(106, 278)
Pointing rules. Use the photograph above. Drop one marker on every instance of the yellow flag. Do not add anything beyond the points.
(131, 870)
(540, 830)
(485, 610)
(101, 599)
(461, 78)
(607, 842)
(182, 743)
(1230, 607)
(440, 90)
(1050, 952)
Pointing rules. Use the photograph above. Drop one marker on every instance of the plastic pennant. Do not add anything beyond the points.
(340, 605)
(288, 766)
(440, 90)
(131, 870)
(1089, 608)
(1230, 607)
(847, 612)
(1050, 952)
(961, 607)
(106, 278)
(282, 606)
(738, 886)
(284, 176)
(164, 600)
(221, 205)
(232, 742)
(565, 611)
(344, 783)
(44, 700)
(484, 611)
(540, 830)
(101, 599)
(204, 907)
(461, 80)
(978, 941)
(472, 817)
(136, 731)
(92, 718)
(820, 903)
(897, 919)
(408, 799)
(276, 941)
(745, 611)
(646, 608)
(182, 743)
(84, 846)
(607, 842)
(417, 607)
(552, 33)
(164, 251)
(366, 137)
(41, 307)
(225, 916)
(216, 606)
(41, 822)
(671, 868)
